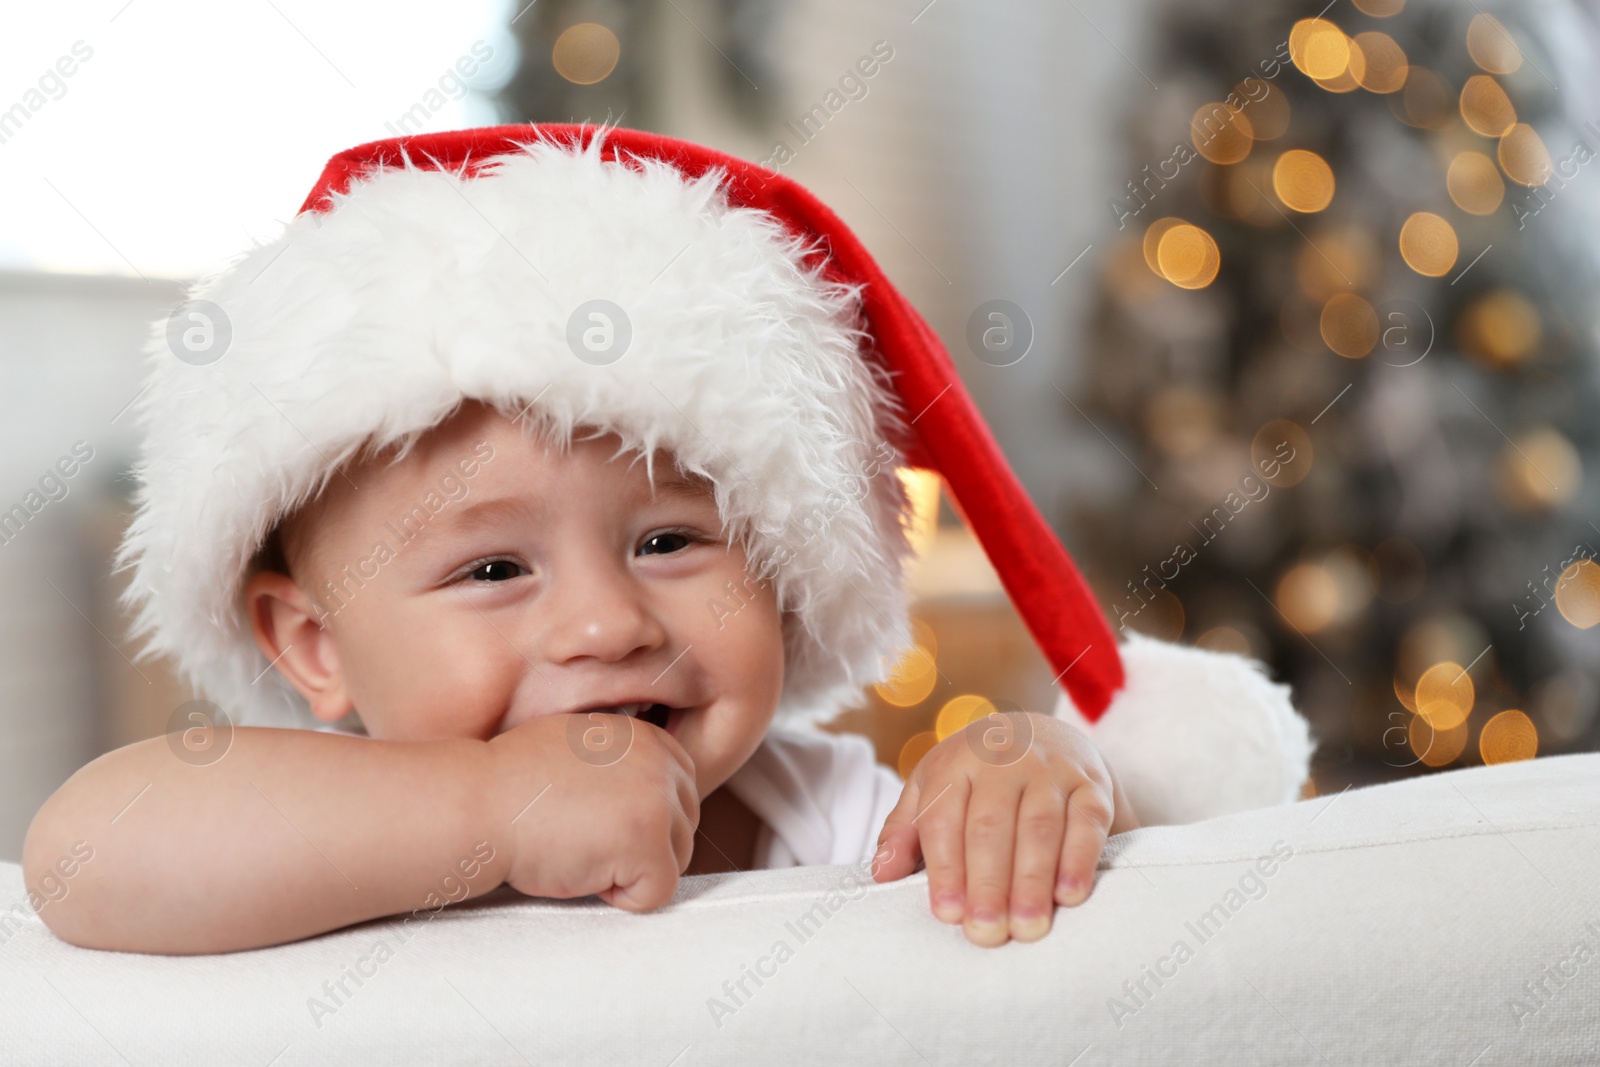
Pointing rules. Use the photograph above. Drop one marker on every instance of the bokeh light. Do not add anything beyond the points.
(1281, 443)
(1524, 157)
(1337, 259)
(1267, 107)
(1225, 639)
(1303, 181)
(1434, 746)
(1508, 737)
(1380, 9)
(1500, 329)
(913, 678)
(1182, 420)
(1474, 183)
(1444, 695)
(1221, 134)
(1491, 45)
(960, 711)
(1349, 325)
(1578, 593)
(1319, 48)
(1425, 100)
(1538, 470)
(586, 53)
(911, 753)
(1187, 256)
(1428, 244)
(1485, 107)
(1383, 63)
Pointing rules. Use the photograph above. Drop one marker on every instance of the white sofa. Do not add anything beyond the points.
(1449, 919)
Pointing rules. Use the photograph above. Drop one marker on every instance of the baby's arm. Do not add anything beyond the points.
(291, 833)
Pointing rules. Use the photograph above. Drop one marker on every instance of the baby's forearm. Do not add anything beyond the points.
(291, 833)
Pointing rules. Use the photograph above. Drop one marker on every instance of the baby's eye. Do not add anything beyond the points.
(665, 543)
(496, 570)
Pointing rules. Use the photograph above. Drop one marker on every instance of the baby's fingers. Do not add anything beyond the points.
(1041, 822)
(941, 830)
(1088, 825)
(898, 847)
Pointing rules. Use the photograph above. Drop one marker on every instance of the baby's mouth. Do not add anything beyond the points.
(654, 714)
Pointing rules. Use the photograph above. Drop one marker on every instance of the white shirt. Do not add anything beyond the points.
(821, 797)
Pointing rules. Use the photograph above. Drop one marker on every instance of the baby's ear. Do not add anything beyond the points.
(286, 629)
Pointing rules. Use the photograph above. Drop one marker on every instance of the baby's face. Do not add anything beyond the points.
(555, 583)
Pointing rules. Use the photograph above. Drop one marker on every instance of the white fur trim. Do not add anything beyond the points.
(1196, 734)
(420, 288)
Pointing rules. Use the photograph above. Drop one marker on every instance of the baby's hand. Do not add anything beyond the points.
(594, 802)
(1011, 815)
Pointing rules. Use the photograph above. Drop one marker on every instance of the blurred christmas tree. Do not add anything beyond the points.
(1347, 345)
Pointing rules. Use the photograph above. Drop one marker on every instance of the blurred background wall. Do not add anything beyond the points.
(1218, 235)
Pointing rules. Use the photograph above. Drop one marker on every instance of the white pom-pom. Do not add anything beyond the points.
(1195, 734)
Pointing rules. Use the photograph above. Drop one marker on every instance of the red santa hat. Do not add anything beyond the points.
(743, 326)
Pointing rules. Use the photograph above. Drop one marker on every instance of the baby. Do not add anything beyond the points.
(564, 678)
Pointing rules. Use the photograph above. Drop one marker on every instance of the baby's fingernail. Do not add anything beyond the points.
(1029, 926)
(947, 906)
(1069, 889)
(986, 928)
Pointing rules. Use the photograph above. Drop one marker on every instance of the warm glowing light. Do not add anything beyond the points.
(1501, 328)
(1474, 183)
(1444, 695)
(1281, 453)
(1446, 636)
(1349, 325)
(1188, 257)
(1491, 46)
(1337, 260)
(1348, 79)
(1433, 745)
(911, 753)
(1485, 106)
(1508, 737)
(1524, 157)
(1407, 694)
(958, 712)
(1383, 61)
(1220, 134)
(1303, 181)
(922, 490)
(585, 53)
(1380, 9)
(1267, 107)
(1308, 596)
(912, 680)
(1225, 639)
(1538, 470)
(1428, 244)
(1181, 420)
(1578, 593)
(1425, 100)
(1319, 48)
(1152, 239)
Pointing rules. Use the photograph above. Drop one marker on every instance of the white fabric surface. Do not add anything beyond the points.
(1407, 924)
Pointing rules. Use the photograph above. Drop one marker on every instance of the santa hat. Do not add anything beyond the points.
(748, 330)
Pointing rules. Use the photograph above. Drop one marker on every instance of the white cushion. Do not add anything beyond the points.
(1405, 923)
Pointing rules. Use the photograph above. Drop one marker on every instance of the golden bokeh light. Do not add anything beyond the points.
(1349, 325)
(1349, 79)
(1243, 192)
(1524, 157)
(912, 680)
(1281, 453)
(1485, 107)
(922, 636)
(1380, 9)
(1267, 108)
(585, 53)
(1319, 48)
(911, 753)
(1538, 470)
(960, 711)
(922, 492)
(1162, 617)
(1434, 746)
(1578, 593)
(1491, 45)
(1336, 260)
(1383, 63)
(1444, 695)
(1187, 257)
(1225, 639)
(1428, 244)
(1152, 239)
(1425, 100)
(1500, 329)
(1508, 737)
(1308, 596)
(1406, 693)
(1474, 183)
(1303, 181)
(1221, 134)
(1445, 636)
